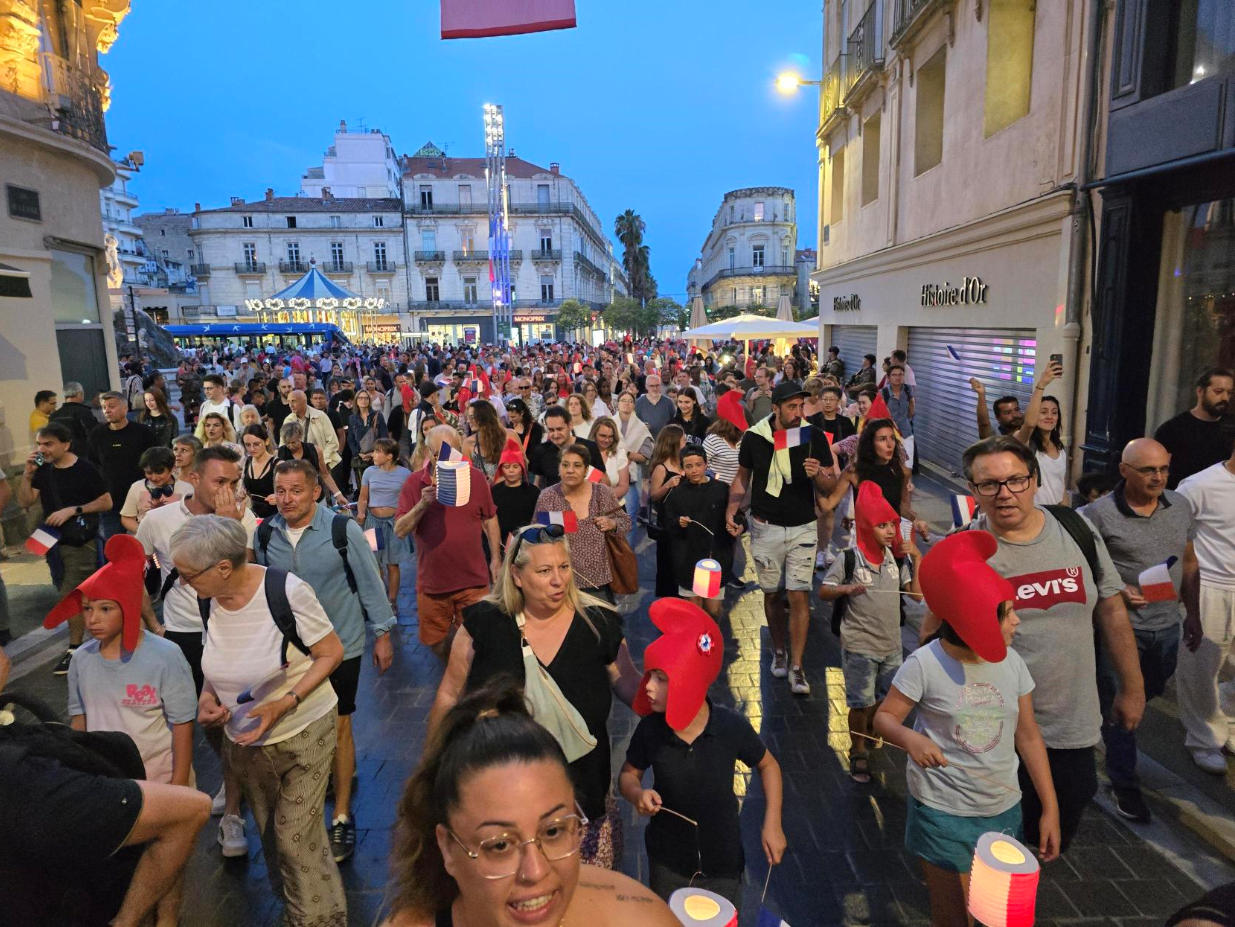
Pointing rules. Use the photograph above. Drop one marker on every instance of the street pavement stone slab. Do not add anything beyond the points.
(846, 863)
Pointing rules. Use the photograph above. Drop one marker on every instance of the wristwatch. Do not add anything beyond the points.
(79, 511)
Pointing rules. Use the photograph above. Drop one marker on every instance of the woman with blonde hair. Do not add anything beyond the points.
(219, 432)
(251, 415)
(605, 435)
(536, 617)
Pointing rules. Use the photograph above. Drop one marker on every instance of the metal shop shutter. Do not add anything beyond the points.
(854, 341)
(944, 421)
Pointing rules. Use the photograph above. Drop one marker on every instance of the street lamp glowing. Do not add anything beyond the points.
(788, 82)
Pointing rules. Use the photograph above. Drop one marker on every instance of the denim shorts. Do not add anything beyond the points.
(948, 840)
(867, 678)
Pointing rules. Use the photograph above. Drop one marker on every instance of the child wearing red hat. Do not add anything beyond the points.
(691, 747)
(870, 630)
(971, 692)
(128, 679)
(513, 494)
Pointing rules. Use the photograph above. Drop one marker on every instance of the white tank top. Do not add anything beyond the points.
(1053, 481)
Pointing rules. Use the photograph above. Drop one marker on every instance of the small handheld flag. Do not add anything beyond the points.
(707, 579)
(568, 520)
(44, 538)
(964, 508)
(1156, 584)
(454, 482)
(594, 475)
(247, 695)
(449, 453)
(791, 437)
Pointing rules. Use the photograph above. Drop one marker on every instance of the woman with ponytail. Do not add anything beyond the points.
(488, 830)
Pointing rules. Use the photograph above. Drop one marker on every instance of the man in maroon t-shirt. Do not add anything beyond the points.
(451, 572)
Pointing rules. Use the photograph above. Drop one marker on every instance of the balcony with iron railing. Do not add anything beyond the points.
(384, 267)
(293, 267)
(587, 264)
(75, 98)
(553, 255)
(199, 270)
(335, 267)
(250, 267)
(430, 257)
(447, 209)
(471, 257)
(832, 94)
(766, 270)
(909, 16)
(866, 51)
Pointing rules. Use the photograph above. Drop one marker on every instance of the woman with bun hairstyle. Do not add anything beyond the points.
(971, 692)
(488, 830)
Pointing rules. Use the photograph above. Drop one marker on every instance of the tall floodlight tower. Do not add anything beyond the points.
(499, 224)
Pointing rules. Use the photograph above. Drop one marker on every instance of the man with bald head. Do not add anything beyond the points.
(318, 429)
(1145, 524)
(452, 570)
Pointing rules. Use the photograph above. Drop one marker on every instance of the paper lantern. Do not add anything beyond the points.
(1003, 883)
(697, 907)
(454, 482)
(707, 579)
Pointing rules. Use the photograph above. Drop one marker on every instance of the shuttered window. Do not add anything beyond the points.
(854, 341)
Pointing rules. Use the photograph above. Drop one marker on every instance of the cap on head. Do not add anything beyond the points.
(689, 651)
(787, 390)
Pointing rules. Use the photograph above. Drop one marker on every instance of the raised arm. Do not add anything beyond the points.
(984, 414)
(1035, 404)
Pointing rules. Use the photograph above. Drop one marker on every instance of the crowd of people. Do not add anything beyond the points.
(224, 559)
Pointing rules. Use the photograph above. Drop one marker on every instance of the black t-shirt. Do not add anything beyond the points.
(796, 503)
(117, 454)
(79, 418)
(68, 487)
(278, 410)
(839, 428)
(543, 460)
(1194, 444)
(705, 504)
(696, 780)
(581, 671)
(516, 506)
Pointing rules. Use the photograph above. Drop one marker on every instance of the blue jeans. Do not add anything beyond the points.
(631, 503)
(1157, 651)
(109, 525)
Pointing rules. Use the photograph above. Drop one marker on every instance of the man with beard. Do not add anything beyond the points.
(1008, 415)
(1204, 434)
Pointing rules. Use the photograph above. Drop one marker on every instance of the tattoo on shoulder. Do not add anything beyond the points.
(636, 899)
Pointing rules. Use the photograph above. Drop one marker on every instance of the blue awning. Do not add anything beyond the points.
(314, 286)
(229, 329)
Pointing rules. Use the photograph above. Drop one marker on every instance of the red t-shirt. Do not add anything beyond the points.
(449, 555)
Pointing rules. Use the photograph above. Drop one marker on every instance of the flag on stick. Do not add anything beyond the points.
(44, 538)
(449, 453)
(568, 520)
(1155, 583)
(964, 508)
(594, 475)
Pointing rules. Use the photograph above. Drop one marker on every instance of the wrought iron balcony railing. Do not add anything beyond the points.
(250, 267)
(554, 255)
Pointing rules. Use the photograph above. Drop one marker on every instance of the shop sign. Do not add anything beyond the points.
(532, 318)
(850, 303)
(383, 328)
(469, 335)
(971, 292)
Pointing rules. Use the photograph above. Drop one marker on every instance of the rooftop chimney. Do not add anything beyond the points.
(511, 153)
(326, 194)
(342, 125)
(269, 194)
(197, 207)
(555, 168)
(237, 200)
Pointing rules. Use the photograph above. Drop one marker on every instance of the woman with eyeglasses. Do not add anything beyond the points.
(293, 446)
(607, 438)
(258, 474)
(490, 762)
(365, 428)
(597, 510)
(577, 639)
(524, 425)
(273, 702)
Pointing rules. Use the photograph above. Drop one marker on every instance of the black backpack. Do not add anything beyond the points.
(275, 587)
(840, 604)
(1078, 529)
(338, 537)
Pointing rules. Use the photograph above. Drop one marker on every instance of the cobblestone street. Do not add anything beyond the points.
(846, 863)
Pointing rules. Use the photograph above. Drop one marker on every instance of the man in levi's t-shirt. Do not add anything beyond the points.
(1060, 603)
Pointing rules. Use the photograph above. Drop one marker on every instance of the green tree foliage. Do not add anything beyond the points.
(572, 315)
(636, 256)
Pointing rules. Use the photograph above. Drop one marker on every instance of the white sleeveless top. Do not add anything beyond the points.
(1053, 481)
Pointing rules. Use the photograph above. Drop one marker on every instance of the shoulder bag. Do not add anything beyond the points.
(549, 706)
(623, 565)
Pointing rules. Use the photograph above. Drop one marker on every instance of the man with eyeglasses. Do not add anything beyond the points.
(535, 401)
(1144, 524)
(1061, 598)
(215, 479)
(654, 409)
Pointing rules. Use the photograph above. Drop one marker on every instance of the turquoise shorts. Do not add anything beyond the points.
(948, 840)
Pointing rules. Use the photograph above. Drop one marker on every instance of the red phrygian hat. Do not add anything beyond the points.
(966, 592)
(689, 652)
(120, 580)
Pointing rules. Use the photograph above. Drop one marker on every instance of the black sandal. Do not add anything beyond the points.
(859, 768)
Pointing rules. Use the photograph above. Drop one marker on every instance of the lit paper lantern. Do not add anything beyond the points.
(1003, 883)
(697, 907)
(454, 482)
(707, 579)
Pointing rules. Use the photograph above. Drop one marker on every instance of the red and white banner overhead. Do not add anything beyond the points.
(474, 19)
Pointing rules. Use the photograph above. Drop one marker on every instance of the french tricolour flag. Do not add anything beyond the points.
(791, 437)
(568, 520)
(449, 453)
(594, 475)
(1155, 583)
(963, 510)
(45, 537)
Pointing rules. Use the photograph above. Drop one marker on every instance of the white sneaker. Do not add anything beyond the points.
(218, 804)
(780, 664)
(797, 682)
(821, 560)
(231, 836)
(1209, 759)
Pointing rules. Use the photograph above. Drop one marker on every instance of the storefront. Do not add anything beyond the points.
(981, 301)
(457, 329)
(533, 327)
(1166, 242)
(386, 329)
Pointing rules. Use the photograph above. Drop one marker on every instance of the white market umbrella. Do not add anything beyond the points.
(748, 328)
(784, 310)
(698, 316)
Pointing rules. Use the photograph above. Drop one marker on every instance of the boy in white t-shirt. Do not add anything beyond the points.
(157, 488)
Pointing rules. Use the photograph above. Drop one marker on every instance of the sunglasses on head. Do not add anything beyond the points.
(537, 534)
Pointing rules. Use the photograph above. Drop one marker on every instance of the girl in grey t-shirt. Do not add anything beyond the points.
(974, 715)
